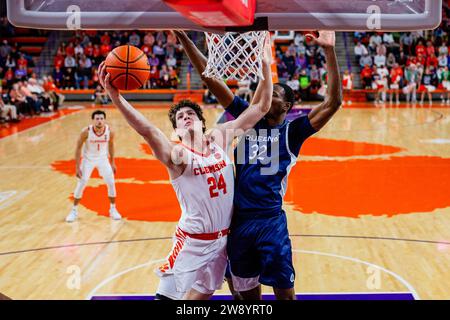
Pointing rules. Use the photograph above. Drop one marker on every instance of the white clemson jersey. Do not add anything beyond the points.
(96, 145)
(205, 191)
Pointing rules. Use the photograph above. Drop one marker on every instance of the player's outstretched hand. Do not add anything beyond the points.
(326, 39)
(104, 79)
(180, 34)
(267, 51)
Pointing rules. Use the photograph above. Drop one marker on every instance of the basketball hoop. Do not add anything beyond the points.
(235, 55)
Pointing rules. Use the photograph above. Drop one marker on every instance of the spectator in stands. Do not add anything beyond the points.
(69, 79)
(390, 61)
(19, 100)
(135, 39)
(305, 84)
(39, 92)
(171, 61)
(406, 40)
(8, 112)
(379, 60)
(381, 50)
(374, 41)
(420, 49)
(149, 39)
(153, 60)
(430, 49)
(432, 61)
(173, 76)
(21, 73)
(301, 63)
(79, 50)
(360, 50)
(153, 78)
(412, 79)
(428, 84)
(31, 98)
(365, 60)
(396, 77)
(70, 62)
(70, 50)
(56, 96)
(159, 52)
(443, 49)
(9, 77)
(367, 76)
(444, 79)
(84, 72)
(10, 62)
(294, 84)
(100, 96)
(5, 49)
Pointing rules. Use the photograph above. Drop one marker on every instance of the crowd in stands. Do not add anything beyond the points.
(302, 66)
(409, 63)
(22, 93)
(76, 62)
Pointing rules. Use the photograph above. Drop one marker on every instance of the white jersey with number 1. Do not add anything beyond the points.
(96, 145)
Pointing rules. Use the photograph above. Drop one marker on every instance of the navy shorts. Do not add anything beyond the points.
(261, 247)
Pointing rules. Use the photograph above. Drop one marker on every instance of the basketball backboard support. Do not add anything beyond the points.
(338, 15)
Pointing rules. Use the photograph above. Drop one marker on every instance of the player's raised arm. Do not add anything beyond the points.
(81, 140)
(321, 114)
(159, 143)
(260, 104)
(218, 88)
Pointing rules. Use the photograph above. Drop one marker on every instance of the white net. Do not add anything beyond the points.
(235, 55)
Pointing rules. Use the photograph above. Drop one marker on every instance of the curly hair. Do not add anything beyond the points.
(98, 112)
(190, 104)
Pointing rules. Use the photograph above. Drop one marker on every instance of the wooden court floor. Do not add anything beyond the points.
(368, 208)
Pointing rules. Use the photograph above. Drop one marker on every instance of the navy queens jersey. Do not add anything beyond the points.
(263, 158)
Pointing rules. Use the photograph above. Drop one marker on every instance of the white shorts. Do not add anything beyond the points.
(193, 264)
(430, 88)
(446, 85)
(395, 86)
(103, 166)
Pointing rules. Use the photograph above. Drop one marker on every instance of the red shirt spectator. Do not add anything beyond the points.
(366, 72)
(430, 49)
(9, 75)
(411, 60)
(420, 49)
(59, 60)
(395, 73)
(22, 62)
(105, 39)
(70, 50)
(89, 50)
(96, 53)
(146, 49)
(105, 49)
(421, 59)
(432, 61)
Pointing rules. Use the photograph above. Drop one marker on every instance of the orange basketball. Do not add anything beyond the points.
(128, 67)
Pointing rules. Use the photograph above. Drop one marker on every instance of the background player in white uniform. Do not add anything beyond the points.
(202, 176)
(98, 141)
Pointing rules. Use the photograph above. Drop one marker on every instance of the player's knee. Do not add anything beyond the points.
(111, 186)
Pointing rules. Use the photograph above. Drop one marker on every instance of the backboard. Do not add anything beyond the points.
(339, 15)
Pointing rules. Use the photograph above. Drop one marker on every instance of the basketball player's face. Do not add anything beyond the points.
(187, 119)
(278, 104)
(99, 121)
